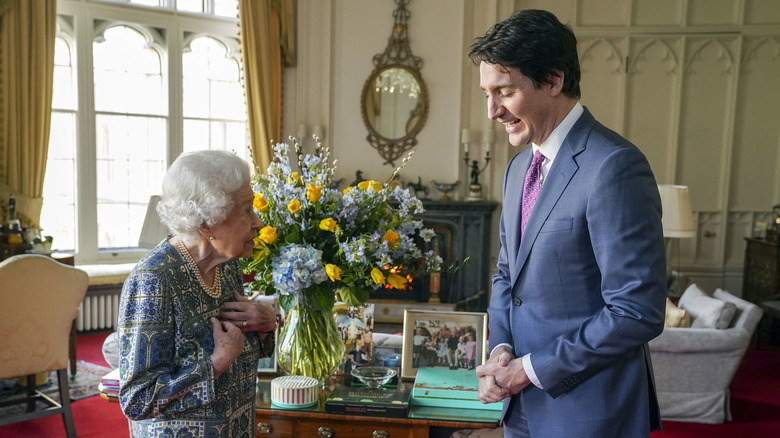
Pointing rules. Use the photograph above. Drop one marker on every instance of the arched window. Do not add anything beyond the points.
(153, 84)
(214, 108)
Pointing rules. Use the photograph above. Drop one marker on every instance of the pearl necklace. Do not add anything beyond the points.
(214, 292)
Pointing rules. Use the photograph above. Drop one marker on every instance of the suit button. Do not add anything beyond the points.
(517, 301)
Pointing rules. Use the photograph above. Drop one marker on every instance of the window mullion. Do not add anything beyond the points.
(86, 201)
(175, 92)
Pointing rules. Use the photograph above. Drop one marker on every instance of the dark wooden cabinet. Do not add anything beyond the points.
(761, 277)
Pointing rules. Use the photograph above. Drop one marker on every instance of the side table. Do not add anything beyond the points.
(316, 422)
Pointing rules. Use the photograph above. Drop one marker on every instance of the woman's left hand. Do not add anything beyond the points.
(248, 315)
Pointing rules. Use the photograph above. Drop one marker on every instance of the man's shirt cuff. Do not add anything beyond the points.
(529, 370)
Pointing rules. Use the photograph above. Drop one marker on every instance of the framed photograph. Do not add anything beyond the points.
(453, 340)
(356, 326)
(267, 365)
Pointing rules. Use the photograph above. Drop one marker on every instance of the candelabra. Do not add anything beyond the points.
(475, 188)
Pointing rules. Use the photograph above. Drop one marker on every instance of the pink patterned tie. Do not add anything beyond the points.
(533, 183)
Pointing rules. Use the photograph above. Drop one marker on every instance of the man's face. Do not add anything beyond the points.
(526, 112)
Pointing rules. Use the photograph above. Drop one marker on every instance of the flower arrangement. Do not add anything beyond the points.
(319, 244)
(329, 243)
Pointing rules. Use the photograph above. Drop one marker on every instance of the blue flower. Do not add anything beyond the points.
(297, 267)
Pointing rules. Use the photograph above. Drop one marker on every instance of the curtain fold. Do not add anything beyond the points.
(262, 28)
(27, 37)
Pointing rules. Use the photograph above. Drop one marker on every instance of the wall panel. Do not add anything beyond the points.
(756, 148)
(708, 80)
(602, 66)
(653, 79)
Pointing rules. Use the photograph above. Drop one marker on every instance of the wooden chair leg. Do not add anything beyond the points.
(72, 348)
(31, 392)
(67, 413)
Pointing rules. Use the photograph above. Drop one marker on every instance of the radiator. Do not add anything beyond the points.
(98, 312)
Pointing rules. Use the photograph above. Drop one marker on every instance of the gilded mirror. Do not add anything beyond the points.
(394, 101)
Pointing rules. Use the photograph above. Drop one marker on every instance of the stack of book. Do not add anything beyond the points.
(109, 384)
(380, 402)
(438, 387)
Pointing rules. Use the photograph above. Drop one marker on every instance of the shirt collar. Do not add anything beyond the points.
(552, 145)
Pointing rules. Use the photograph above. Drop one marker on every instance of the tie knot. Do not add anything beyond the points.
(538, 159)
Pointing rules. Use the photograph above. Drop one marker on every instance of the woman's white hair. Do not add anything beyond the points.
(198, 190)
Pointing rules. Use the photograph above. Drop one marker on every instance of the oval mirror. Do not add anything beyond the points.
(394, 103)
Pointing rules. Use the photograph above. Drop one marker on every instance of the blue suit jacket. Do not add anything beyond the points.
(585, 289)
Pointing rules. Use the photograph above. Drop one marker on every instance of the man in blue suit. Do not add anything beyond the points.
(581, 280)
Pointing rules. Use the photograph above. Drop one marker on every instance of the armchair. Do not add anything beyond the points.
(694, 367)
(42, 297)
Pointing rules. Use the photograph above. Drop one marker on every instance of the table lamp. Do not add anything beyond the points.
(677, 220)
(677, 212)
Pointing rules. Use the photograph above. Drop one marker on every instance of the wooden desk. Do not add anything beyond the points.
(315, 422)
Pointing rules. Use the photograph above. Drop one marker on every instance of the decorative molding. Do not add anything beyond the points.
(668, 53)
(723, 54)
(614, 54)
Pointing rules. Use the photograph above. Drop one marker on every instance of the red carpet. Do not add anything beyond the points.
(94, 417)
(755, 405)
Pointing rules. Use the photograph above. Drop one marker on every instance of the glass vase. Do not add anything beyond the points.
(309, 342)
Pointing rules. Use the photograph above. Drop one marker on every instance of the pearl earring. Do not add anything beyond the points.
(211, 237)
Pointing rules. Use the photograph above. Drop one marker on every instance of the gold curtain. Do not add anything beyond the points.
(27, 36)
(267, 37)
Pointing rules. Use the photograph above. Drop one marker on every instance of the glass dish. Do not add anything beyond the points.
(373, 376)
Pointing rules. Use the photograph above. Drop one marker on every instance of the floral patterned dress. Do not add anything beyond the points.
(167, 385)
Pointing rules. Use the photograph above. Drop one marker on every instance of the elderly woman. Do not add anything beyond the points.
(189, 341)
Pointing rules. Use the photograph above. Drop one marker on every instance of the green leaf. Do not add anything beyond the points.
(293, 237)
(287, 302)
(352, 296)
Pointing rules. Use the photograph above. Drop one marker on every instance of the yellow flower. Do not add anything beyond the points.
(377, 276)
(268, 234)
(260, 251)
(294, 178)
(396, 281)
(346, 190)
(260, 203)
(375, 185)
(391, 237)
(333, 271)
(294, 206)
(313, 193)
(328, 224)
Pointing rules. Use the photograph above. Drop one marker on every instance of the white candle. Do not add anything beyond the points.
(487, 148)
(466, 148)
(465, 136)
(301, 131)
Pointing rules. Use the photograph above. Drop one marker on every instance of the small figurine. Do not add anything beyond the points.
(418, 187)
(475, 172)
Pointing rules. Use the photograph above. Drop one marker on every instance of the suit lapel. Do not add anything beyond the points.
(562, 171)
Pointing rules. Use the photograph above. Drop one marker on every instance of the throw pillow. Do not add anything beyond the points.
(707, 312)
(675, 316)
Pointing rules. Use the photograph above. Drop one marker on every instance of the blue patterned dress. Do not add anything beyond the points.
(167, 385)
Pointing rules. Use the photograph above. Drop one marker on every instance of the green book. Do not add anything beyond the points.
(379, 402)
(440, 387)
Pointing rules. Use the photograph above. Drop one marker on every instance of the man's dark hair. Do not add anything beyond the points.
(537, 44)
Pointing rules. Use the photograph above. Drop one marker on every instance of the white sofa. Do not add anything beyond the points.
(694, 366)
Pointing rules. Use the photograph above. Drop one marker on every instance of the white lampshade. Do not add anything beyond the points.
(677, 212)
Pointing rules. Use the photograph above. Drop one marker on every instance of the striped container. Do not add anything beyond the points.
(295, 392)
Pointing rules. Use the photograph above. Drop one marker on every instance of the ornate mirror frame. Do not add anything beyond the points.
(397, 55)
